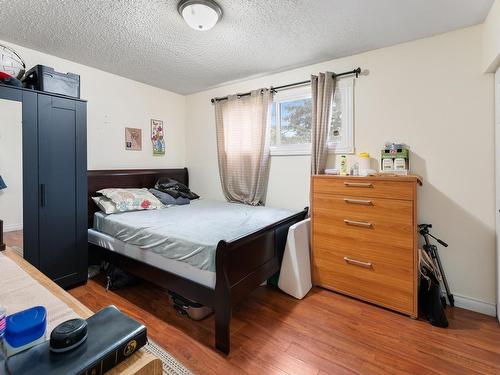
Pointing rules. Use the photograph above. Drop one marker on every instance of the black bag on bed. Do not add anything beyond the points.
(175, 188)
(116, 278)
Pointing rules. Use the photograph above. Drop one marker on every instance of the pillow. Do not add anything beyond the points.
(167, 199)
(132, 199)
(106, 205)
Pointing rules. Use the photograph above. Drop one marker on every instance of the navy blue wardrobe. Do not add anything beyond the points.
(54, 183)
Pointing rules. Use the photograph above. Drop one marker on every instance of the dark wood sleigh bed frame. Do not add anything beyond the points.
(241, 265)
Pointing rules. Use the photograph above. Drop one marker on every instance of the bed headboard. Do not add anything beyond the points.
(127, 178)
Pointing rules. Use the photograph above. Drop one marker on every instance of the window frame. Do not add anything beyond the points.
(344, 85)
(298, 93)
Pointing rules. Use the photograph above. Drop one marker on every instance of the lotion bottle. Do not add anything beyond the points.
(343, 165)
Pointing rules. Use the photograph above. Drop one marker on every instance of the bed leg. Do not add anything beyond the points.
(222, 324)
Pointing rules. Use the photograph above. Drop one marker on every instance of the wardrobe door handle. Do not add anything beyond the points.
(363, 224)
(358, 201)
(42, 195)
(358, 184)
(358, 262)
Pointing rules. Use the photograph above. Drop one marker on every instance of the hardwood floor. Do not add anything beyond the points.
(14, 238)
(325, 333)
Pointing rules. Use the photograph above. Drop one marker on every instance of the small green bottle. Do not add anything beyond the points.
(343, 165)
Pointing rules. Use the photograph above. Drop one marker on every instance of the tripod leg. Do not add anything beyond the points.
(451, 300)
(443, 301)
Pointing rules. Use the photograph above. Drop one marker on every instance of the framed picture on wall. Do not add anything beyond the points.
(133, 139)
(157, 137)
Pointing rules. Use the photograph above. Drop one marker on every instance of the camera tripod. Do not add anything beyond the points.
(432, 250)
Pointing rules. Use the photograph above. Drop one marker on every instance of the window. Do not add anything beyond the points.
(291, 121)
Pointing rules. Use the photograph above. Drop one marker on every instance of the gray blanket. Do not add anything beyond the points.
(188, 233)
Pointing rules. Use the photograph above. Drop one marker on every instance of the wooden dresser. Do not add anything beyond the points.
(364, 238)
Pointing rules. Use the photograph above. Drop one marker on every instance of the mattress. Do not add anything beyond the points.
(176, 267)
(188, 233)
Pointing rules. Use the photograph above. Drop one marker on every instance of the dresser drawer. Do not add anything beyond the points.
(363, 187)
(384, 258)
(373, 278)
(374, 220)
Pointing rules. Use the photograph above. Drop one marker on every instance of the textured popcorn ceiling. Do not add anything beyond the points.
(148, 41)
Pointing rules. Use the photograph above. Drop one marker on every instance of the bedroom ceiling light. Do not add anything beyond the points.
(201, 15)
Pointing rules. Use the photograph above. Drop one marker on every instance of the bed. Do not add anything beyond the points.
(220, 273)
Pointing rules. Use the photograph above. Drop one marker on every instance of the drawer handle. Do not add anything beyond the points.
(358, 262)
(358, 184)
(358, 201)
(363, 224)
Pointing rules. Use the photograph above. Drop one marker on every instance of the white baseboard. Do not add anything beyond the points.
(12, 227)
(475, 305)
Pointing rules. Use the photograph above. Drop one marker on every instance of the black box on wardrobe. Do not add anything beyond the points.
(44, 78)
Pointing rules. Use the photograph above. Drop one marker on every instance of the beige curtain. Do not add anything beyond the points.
(243, 146)
(323, 89)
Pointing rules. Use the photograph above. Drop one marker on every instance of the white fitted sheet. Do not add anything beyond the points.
(176, 267)
(188, 233)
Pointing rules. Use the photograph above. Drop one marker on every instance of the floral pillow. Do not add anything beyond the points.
(106, 205)
(132, 199)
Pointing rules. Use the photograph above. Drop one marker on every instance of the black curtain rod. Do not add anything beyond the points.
(357, 72)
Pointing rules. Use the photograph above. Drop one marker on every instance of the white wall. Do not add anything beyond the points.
(114, 103)
(491, 39)
(491, 56)
(11, 198)
(431, 94)
(497, 164)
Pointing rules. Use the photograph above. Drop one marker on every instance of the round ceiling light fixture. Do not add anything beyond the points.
(201, 15)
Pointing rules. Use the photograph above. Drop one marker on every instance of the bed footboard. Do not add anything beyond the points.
(244, 264)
